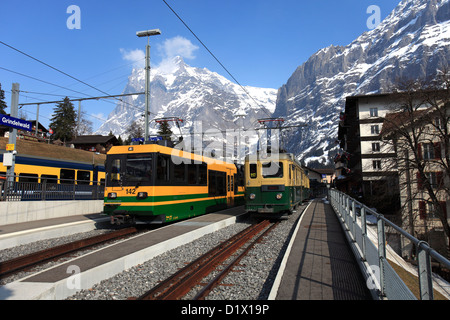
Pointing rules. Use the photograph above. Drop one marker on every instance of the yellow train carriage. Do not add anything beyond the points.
(39, 162)
(157, 184)
(274, 187)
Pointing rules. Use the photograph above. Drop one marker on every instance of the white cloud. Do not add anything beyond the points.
(177, 46)
(136, 56)
(170, 48)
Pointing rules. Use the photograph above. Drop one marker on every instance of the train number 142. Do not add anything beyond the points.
(130, 191)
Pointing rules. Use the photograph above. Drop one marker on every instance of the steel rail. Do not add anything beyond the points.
(179, 284)
(217, 279)
(35, 258)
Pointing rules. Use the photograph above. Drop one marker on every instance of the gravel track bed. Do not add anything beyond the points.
(257, 271)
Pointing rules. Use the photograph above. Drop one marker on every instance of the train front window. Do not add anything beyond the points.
(138, 170)
(253, 171)
(272, 170)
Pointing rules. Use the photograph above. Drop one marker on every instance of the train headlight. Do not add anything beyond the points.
(112, 195)
(279, 196)
(142, 195)
(252, 196)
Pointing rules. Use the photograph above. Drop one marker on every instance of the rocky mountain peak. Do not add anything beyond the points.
(412, 43)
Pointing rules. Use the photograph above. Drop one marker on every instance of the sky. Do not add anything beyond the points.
(260, 42)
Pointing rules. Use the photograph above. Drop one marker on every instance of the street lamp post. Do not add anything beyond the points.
(147, 33)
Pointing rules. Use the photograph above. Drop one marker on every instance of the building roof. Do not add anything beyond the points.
(94, 139)
(398, 120)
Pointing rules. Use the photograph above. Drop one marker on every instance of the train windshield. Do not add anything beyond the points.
(130, 170)
(138, 170)
(272, 170)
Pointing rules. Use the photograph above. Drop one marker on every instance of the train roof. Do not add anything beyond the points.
(49, 151)
(280, 156)
(143, 148)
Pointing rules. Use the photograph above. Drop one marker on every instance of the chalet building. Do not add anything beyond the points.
(365, 166)
(39, 136)
(317, 181)
(94, 143)
(420, 215)
(377, 167)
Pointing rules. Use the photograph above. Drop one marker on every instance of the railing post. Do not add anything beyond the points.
(381, 251)
(354, 220)
(424, 266)
(43, 189)
(363, 232)
(347, 212)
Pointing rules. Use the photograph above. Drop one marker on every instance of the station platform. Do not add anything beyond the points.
(25, 232)
(320, 264)
(83, 272)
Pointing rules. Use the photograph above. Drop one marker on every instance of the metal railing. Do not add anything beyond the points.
(60, 190)
(380, 275)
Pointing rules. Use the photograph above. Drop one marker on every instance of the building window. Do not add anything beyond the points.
(438, 123)
(376, 164)
(428, 151)
(431, 212)
(375, 129)
(376, 146)
(374, 112)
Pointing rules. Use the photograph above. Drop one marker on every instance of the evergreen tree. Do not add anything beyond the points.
(3, 105)
(134, 131)
(164, 130)
(63, 122)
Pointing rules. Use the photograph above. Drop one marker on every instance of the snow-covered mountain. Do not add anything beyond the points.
(192, 94)
(413, 42)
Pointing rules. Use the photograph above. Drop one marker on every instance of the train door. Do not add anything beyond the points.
(230, 188)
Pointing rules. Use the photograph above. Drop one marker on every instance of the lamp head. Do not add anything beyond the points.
(147, 33)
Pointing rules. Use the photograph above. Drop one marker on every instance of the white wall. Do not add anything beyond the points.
(25, 211)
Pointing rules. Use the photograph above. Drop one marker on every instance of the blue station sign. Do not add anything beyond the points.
(15, 123)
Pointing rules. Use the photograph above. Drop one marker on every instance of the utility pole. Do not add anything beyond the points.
(79, 117)
(13, 132)
(37, 120)
(147, 34)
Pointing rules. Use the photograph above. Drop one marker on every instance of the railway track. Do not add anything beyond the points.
(181, 283)
(33, 259)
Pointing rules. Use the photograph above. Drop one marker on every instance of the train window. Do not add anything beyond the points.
(49, 178)
(272, 170)
(179, 171)
(192, 174)
(115, 170)
(83, 177)
(163, 169)
(67, 176)
(203, 174)
(221, 184)
(217, 183)
(240, 175)
(253, 171)
(138, 170)
(102, 182)
(28, 177)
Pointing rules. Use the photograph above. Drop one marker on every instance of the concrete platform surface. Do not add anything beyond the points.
(320, 264)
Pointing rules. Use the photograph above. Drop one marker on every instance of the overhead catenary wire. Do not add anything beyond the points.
(65, 88)
(56, 69)
(218, 61)
(62, 72)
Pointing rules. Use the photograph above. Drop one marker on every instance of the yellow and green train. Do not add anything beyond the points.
(154, 184)
(274, 187)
